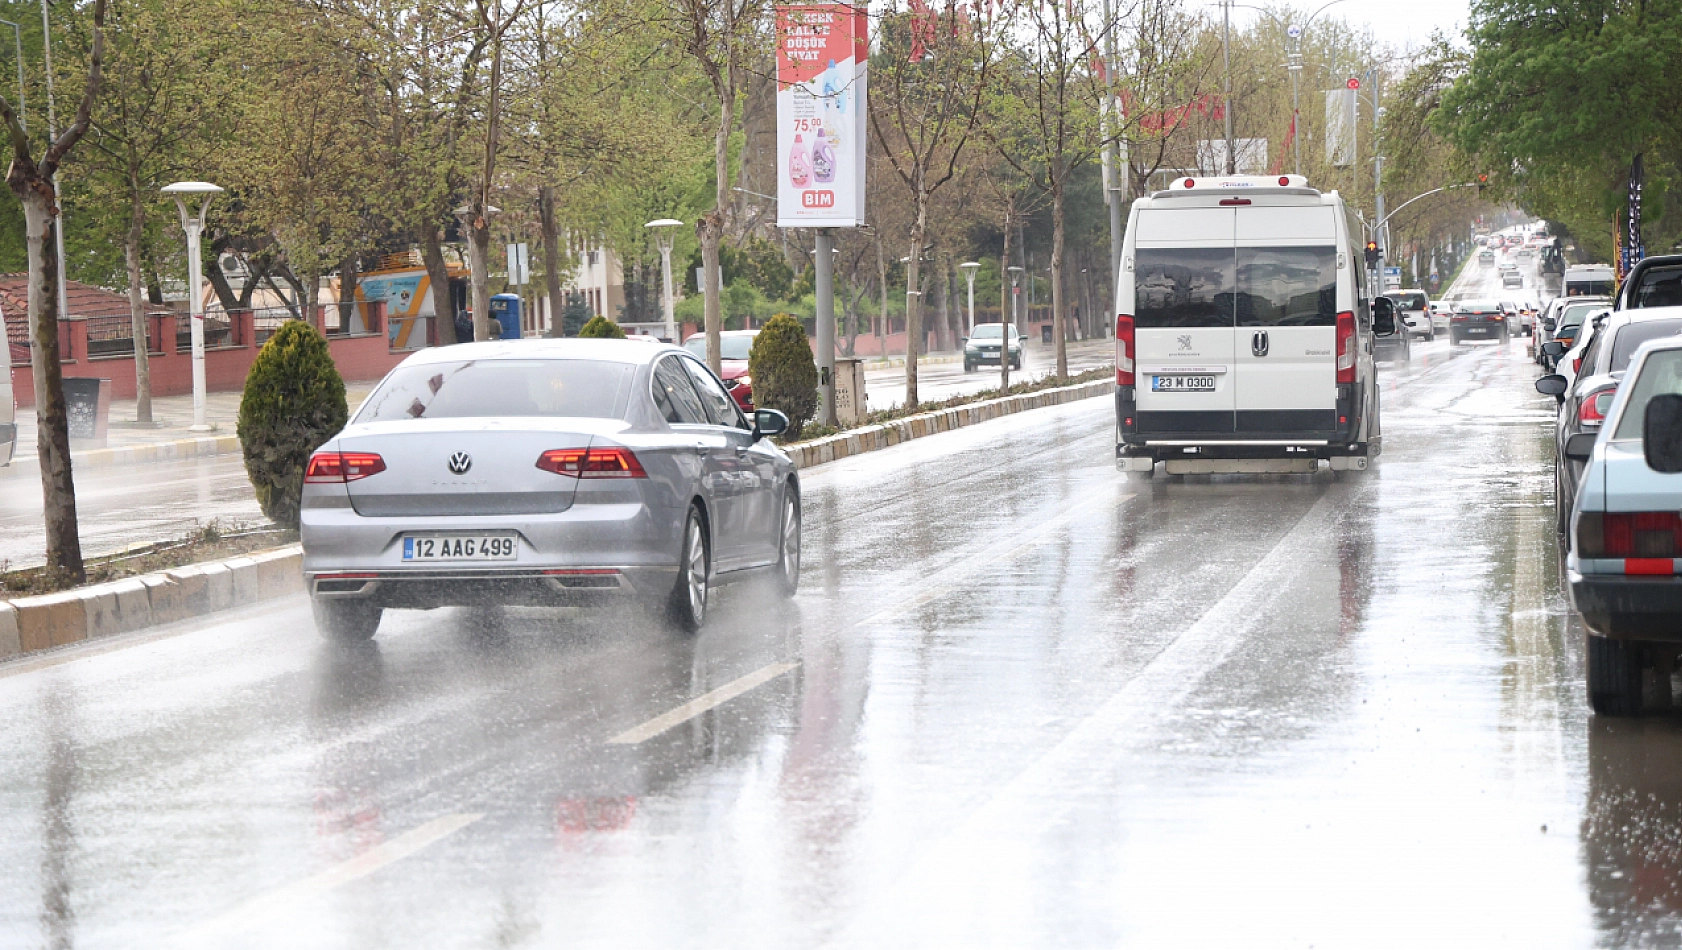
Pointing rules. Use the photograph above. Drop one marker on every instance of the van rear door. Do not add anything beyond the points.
(1285, 341)
(1183, 283)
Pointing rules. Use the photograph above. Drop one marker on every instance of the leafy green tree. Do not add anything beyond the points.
(294, 401)
(601, 328)
(784, 372)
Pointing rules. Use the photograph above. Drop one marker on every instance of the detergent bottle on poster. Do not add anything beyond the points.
(834, 102)
(799, 164)
(823, 160)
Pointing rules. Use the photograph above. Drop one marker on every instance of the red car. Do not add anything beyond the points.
(732, 364)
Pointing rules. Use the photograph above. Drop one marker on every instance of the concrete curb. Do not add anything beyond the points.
(871, 438)
(202, 447)
(30, 624)
(892, 361)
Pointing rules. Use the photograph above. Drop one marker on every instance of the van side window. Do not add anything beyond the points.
(1287, 286)
(1183, 287)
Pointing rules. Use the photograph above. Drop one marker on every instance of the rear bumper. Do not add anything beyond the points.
(469, 587)
(1625, 607)
(1244, 434)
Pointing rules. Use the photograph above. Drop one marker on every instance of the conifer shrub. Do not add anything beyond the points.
(601, 328)
(294, 401)
(784, 373)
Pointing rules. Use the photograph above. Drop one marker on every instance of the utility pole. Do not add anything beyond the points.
(1295, 66)
(1117, 173)
(1226, 102)
(1378, 182)
(824, 287)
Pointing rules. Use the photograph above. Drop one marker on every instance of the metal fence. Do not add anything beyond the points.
(112, 334)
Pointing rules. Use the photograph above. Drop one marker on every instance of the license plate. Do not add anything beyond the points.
(1182, 384)
(460, 547)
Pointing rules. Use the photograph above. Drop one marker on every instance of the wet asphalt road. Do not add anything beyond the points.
(1019, 702)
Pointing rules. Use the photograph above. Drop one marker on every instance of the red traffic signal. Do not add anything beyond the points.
(1372, 253)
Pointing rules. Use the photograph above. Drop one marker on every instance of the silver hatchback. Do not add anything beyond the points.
(546, 472)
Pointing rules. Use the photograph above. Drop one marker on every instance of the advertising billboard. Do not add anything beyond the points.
(822, 56)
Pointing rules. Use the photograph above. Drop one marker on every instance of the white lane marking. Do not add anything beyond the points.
(734, 688)
(701, 704)
(267, 906)
(973, 864)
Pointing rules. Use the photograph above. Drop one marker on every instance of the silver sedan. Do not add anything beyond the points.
(542, 472)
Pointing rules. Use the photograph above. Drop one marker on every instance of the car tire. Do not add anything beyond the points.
(788, 544)
(687, 605)
(1614, 676)
(346, 620)
(1562, 509)
(969, 367)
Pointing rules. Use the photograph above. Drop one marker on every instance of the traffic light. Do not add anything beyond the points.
(1482, 180)
(1372, 253)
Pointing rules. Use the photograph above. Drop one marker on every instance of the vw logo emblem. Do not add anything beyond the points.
(460, 463)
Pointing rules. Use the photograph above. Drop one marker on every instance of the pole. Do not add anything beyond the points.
(52, 133)
(195, 307)
(1119, 180)
(1226, 60)
(824, 286)
(1296, 109)
(1378, 185)
(666, 290)
(969, 272)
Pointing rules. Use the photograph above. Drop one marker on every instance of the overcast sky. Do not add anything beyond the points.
(1401, 23)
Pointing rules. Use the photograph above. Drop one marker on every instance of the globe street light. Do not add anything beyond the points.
(194, 226)
(969, 268)
(662, 228)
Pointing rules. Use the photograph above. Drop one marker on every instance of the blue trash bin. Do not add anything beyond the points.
(505, 309)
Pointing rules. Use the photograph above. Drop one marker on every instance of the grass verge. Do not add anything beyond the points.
(210, 542)
(816, 430)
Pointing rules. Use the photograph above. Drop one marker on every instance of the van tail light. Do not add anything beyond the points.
(341, 467)
(1345, 347)
(1637, 535)
(1591, 409)
(605, 462)
(1124, 350)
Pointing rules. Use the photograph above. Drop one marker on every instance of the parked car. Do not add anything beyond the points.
(734, 346)
(1585, 397)
(1413, 308)
(1567, 324)
(1626, 534)
(1653, 282)
(1396, 347)
(982, 345)
(1480, 319)
(542, 472)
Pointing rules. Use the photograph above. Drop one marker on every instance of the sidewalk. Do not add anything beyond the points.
(172, 416)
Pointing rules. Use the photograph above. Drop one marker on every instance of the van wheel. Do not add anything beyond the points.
(687, 605)
(345, 621)
(1614, 676)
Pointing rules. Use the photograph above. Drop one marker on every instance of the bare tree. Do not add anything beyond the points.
(34, 181)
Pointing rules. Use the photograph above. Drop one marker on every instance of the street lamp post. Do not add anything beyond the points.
(823, 287)
(194, 226)
(662, 228)
(1016, 272)
(969, 268)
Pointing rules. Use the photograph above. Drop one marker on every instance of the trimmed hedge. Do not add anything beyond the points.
(784, 373)
(294, 401)
(601, 328)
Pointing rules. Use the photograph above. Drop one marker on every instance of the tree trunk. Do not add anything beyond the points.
(1005, 294)
(710, 229)
(882, 293)
(348, 274)
(58, 487)
(478, 261)
(913, 301)
(479, 227)
(438, 276)
(551, 230)
(1059, 328)
(137, 306)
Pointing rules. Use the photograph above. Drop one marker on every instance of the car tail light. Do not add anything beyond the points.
(1124, 350)
(1591, 409)
(607, 462)
(1460, 316)
(1577, 364)
(340, 467)
(1629, 534)
(1346, 347)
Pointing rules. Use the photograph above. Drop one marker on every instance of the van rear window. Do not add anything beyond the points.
(1183, 287)
(1287, 287)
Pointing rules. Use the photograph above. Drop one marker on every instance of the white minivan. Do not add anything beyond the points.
(1244, 331)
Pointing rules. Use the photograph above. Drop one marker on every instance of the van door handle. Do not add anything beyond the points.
(1258, 343)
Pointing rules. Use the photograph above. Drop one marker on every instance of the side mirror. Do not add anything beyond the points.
(1661, 433)
(1553, 349)
(1554, 386)
(768, 422)
(963, 340)
(1548, 325)
(1579, 447)
(1383, 317)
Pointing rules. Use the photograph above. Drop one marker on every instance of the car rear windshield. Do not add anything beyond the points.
(1633, 335)
(1660, 286)
(1574, 314)
(1662, 373)
(1223, 287)
(1412, 301)
(501, 389)
(729, 347)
